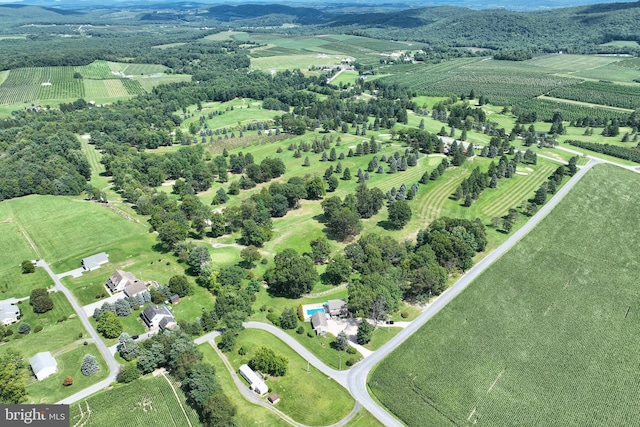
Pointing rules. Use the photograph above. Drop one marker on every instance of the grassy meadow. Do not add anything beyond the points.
(545, 334)
(298, 389)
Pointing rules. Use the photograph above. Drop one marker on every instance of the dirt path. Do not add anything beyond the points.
(28, 239)
(178, 399)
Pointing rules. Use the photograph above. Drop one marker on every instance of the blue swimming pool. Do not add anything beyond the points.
(314, 310)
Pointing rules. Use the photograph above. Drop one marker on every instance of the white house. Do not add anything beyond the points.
(9, 313)
(255, 382)
(158, 316)
(43, 365)
(119, 280)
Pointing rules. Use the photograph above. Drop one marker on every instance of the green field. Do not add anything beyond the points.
(43, 218)
(298, 389)
(147, 401)
(546, 335)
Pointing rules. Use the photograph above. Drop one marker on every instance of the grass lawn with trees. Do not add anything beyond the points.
(248, 413)
(54, 334)
(547, 331)
(69, 358)
(298, 389)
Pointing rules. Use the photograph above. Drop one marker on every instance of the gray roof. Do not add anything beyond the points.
(8, 311)
(167, 322)
(134, 288)
(42, 361)
(336, 304)
(94, 261)
(318, 319)
(153, 310)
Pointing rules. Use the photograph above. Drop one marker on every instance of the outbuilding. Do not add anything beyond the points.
(9, 313)
(93, 262)
(43, 365)
(256, 383)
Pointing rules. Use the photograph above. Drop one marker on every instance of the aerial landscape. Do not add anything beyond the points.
(349, 214)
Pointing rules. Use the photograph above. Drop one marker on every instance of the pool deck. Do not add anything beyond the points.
(307, 307)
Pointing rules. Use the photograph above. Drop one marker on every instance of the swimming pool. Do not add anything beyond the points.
(314, 310)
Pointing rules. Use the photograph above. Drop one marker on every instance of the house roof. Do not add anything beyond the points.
(42, 361)
(154, 310)
(134, 288)
(174, 298)
(336, 304)
(250, 375)
(120, 275)
(318, 319)
(95, 261)
(8, 311)
(167, 322)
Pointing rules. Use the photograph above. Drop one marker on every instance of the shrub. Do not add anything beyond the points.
(27, 267)
(311, 334)
(67, 381)
(352, 361)
(271, 317)
(37, 329)
(351, 350)
(24, 328)
(404, 314)
(128, 373)
(300, 330)
(263, 261)
(242, 351)
(263, 308)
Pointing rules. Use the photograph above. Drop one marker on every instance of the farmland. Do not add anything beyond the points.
(147, 401)
(543, 334)
(100, 80)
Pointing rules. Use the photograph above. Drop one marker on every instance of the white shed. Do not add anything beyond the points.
(255, 381)
(43, 365)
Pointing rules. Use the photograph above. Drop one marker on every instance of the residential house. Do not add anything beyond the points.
(255, 381)
(9, 313)
(119, 280)
(132, 289)
(93, 262)
(43, 365)
(337, 307)
(154, 314)
(319, 323)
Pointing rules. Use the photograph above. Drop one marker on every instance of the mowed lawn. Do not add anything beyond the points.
(546, 336)
(65, 230)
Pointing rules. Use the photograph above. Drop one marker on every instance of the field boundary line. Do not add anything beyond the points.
(496, 381)
(28, 239)
(178, 399)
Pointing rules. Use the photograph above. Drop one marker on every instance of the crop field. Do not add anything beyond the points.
(545, 336)
(613, 72)
(290, 62)
(140, 69)
(97, 70)
(572, 63)
(614, 95)
(148, 83)
(147, 401)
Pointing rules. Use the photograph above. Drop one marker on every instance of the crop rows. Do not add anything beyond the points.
(133, 87)
(115, 88)
(423, 77)
(535, 340)
(623, 96)
(143, 402)
(98, 70)
(140, 69)
(18, 94)
(546, 107)
(66, 89)
(630, 63)
(21, 77)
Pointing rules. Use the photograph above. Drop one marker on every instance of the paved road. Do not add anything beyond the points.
(358, 375)
(114, 367)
